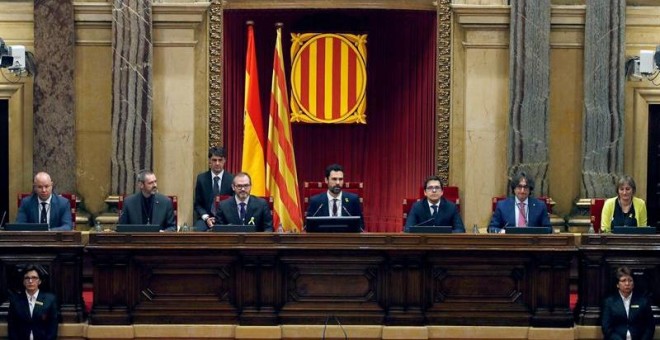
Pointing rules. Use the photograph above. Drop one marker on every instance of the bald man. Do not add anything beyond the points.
(45, 207)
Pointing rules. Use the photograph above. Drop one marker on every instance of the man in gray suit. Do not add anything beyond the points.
(148, 206)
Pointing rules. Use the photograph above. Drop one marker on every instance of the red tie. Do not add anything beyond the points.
(522, 220)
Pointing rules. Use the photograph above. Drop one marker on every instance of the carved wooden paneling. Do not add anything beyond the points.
(60, 254)
(392, 279)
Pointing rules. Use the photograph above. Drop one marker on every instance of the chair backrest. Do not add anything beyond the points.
(547, 200)
(405, 208)
(175, 206)
(450, 193)
(73, 202)
(595, 210)
(314, 188)
(220, 198)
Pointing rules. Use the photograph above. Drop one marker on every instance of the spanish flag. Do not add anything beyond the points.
(281, 163)
(253, 136)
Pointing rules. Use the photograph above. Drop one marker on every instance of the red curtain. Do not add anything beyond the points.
(394, 151)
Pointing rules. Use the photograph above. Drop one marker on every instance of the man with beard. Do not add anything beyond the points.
(148, 206)
(335, 202)
(209, 184)
(243, 208)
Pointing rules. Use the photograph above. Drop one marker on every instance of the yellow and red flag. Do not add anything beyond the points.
(328, 78)
(282, 178)
(253, 136)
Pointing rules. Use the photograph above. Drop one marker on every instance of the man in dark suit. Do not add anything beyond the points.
(434, 210)
(627, 314)
(335, 202)
(45, 207)
(243, 208)
(148, 206)
(521, 210)
(32, 313)
(209, 184)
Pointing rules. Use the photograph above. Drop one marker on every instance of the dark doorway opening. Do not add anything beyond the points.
(653, 170)
(4, 160)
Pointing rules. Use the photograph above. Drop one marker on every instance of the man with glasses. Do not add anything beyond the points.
(243, 208)
(521, 210)
(32, 314)
(434, 210)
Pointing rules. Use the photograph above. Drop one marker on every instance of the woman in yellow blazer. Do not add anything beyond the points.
(625, 209)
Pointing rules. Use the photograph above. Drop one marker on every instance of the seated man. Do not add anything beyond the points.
(45, 207)
(521, 210)
(148, 206)
(335, 202)
(243, 208)
(434, 210)
(216, 181)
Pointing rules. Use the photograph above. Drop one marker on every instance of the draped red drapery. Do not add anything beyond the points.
(394, 151)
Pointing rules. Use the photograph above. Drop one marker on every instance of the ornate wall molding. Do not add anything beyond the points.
(216, 99)
(443, 89)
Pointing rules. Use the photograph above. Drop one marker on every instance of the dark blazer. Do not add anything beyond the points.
(162, 212)
(60, 212)
(420, 214)
(204, 198)
(257, 212)
(504, 214)
(44, 320)
(616, 323)
(318, 206)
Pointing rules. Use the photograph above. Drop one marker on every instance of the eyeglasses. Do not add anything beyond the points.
(522, 187)
(31, 278)
(434, 187)
(242, 186)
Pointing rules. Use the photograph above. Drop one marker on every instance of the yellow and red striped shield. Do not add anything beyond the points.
(328, 78)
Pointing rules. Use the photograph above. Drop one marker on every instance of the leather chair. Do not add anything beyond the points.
(314, 188)
(595, 210)
(73, 202)
(450, 193)
(175, 206)
(220, 198)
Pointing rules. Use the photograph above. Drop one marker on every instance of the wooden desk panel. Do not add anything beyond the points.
(393, 279)
(600, 255)
(60, 253)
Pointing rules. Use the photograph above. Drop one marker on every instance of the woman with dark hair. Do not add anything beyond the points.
(627, 315)
(33, 314)
(625, 209)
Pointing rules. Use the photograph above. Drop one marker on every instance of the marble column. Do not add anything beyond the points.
(132, 69)
(602, 130)
(54, 114)
(529, 90)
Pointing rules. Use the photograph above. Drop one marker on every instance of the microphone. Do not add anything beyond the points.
(317, 210)
(424, 222)
(345, 210)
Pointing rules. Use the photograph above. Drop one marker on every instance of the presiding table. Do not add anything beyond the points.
(59, 253)
(378, 278)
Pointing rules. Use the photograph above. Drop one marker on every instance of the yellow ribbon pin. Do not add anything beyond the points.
(39, 303)
(251, 222)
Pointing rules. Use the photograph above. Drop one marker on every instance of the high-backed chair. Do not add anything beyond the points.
(72, 202)
(175, 206)
(595, 210)
(450, 193)
(314, 188)
(220, 198)
(406, 206)
(547, 200)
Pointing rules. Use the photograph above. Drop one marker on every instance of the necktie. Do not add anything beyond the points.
(335, 207)
(435, 210)
(216, 186)
(31, 303)
(522, 220)
(44, 213)
(241, 213)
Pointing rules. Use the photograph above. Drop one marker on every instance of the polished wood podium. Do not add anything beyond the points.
(391, 279)
(60, 253)
(600, 255)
